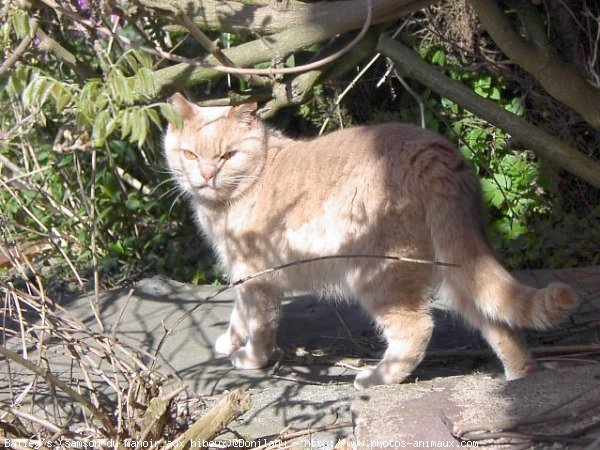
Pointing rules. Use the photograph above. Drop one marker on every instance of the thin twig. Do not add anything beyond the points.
(353, 83)
(92, 216)
(310, 66)
(115, 326)
(46, 375)
(366, 351)
(219, 291)
(31, 418)
(214, 50)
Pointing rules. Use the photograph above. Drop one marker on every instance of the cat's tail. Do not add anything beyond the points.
(502, 298)
(458, 236)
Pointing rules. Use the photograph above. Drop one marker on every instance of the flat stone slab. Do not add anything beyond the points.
(479, 408)
(322, 346)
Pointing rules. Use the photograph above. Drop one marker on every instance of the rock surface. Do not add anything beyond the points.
(321, 348)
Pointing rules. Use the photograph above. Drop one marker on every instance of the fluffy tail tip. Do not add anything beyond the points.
(559, 300)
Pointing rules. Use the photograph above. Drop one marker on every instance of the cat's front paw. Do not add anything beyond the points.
(224, 345)
(243, 359)
(367, 378)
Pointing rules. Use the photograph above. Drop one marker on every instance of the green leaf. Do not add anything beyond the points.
(144, 128)
(483, 86)
(117, 248)
(516, 106)
(494, 93)
(492, 195)
(154, 117)
(99, 132)
(21, 23)
(173, 117)
(18, 81)
(439, 58)
(291, 61)
(133, 204)
(126, 124)
(145, 82)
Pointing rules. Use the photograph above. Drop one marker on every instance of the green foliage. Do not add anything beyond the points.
(85, 170)
(83, 151)
(515, 191)
(107, 106)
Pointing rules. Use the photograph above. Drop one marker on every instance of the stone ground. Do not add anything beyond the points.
(458, 388)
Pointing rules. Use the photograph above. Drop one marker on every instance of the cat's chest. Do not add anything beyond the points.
(278, 230)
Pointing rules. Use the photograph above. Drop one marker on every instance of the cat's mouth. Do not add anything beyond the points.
(204, 187)
(206, 191)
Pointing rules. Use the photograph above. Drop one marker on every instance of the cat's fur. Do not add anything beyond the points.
(263, 199)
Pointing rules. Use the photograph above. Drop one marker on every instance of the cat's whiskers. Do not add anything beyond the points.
(162, 183)
(236, 180)
(168, 192)
(163, 170)
(176, 199)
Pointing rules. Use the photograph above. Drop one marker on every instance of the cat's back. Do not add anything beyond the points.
(391, 153)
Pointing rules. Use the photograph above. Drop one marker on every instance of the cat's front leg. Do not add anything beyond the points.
(237, 333)
(260, 303)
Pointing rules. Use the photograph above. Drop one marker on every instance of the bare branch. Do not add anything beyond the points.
(541, 142)
(214, 421)
(346, 16)
(51, 379)
(561, 80)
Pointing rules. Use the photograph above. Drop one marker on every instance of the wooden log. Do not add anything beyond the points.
(214, 421)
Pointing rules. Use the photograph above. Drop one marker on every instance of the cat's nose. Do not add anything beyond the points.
(207, 174)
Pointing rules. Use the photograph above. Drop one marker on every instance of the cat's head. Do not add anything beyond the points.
(218, 153)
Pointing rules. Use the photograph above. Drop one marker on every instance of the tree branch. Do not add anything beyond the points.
(543, 143)
(21, 48)
(294, 91)
(348, 16)
(53, 381)
(48, 44)
(561, 80)
(267, 16)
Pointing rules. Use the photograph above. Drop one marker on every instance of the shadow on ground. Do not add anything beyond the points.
(323, 345)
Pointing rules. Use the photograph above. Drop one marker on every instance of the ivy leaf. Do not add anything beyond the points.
(439, 58)
(516, 106)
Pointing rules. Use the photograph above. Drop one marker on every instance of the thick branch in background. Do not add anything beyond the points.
(296, 90)
(269, 16)
(345, 16)
(561, 80)
(541, 142)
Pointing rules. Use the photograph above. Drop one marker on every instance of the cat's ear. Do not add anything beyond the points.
(245, 114)
(181, 105)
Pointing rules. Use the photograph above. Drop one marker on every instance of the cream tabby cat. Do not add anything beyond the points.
(263, 199)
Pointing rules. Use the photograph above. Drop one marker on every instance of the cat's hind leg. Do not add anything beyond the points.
(407, 330)
(260, 303)
(506, 341)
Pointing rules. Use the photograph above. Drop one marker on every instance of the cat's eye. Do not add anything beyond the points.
(189, 155)
(228, 155)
